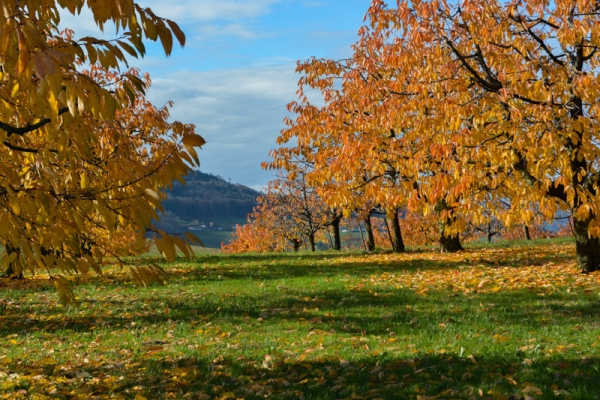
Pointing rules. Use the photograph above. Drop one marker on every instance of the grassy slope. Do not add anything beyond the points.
(510, 321)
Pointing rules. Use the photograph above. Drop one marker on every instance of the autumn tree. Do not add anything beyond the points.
(299, 206)
(255, 236)
(296, 164)
(420, 230)
(82, 150)
(515, 82)
(362, 148)
(354, 159)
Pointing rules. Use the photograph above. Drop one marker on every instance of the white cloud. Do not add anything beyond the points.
(192, 15)
(238, 30)
(209, 10)
(238, 111)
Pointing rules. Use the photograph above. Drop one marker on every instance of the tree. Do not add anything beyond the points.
(298, 210)
(84, 156)
(254, 237)
(353, 158)
(514, 82)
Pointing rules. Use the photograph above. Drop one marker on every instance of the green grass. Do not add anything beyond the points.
(315, 326)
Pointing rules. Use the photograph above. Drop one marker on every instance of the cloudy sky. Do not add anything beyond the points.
(235, 76)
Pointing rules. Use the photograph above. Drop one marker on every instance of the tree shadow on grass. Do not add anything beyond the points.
(274, 271)
(259, 266)
(277, 376)
(338, 309)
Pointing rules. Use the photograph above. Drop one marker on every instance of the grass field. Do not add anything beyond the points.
(516, 321)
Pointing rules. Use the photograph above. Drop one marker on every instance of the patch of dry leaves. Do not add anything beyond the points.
(543, 269)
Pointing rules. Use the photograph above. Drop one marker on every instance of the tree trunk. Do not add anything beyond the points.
(296, 243)
(329, 236)
(370, 237)
(527, 234)
(587, 248)
(387, 226)
(397, 234)
(311, 239)
(362, 236)
(448, 244)
(337, 239)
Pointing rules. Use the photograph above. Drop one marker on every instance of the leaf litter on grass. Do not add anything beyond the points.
(496, 323)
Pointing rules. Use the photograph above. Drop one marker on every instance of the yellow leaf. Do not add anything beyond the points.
(529, 388)
(165, 35)
(151, 193)
(177, 32)
(23, 52)
(194, 140)
(16, 207)
(53, 103)
(15, 90)
(193, 238)
(84, 181)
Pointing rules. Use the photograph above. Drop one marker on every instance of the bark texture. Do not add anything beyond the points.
(370, 237)
(398, 242)
(587, 248)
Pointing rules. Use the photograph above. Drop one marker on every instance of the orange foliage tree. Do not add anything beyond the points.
(514, 83)
(358, 141)
(290, 211)
(254, 237)
(82, 150)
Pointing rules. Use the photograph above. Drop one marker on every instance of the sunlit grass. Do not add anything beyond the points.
(486, 323)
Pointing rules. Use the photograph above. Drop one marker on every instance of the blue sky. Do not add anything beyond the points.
(236, 75)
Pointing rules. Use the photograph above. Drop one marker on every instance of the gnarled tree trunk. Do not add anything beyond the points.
(448, 243)
(397, 234)
(587, 248)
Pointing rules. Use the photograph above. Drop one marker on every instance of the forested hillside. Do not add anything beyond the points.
(208, 196)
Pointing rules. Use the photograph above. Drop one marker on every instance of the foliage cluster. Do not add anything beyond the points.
(85, 157)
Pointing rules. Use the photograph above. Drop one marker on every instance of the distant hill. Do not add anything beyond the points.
(207, 205)
(209, 196)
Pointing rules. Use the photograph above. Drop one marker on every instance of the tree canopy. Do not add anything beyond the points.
(85, 157)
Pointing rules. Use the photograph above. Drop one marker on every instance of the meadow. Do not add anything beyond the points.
(512, 321)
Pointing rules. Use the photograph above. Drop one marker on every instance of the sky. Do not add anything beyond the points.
(236, 73)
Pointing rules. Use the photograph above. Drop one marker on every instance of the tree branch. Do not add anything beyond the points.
(13, 130)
